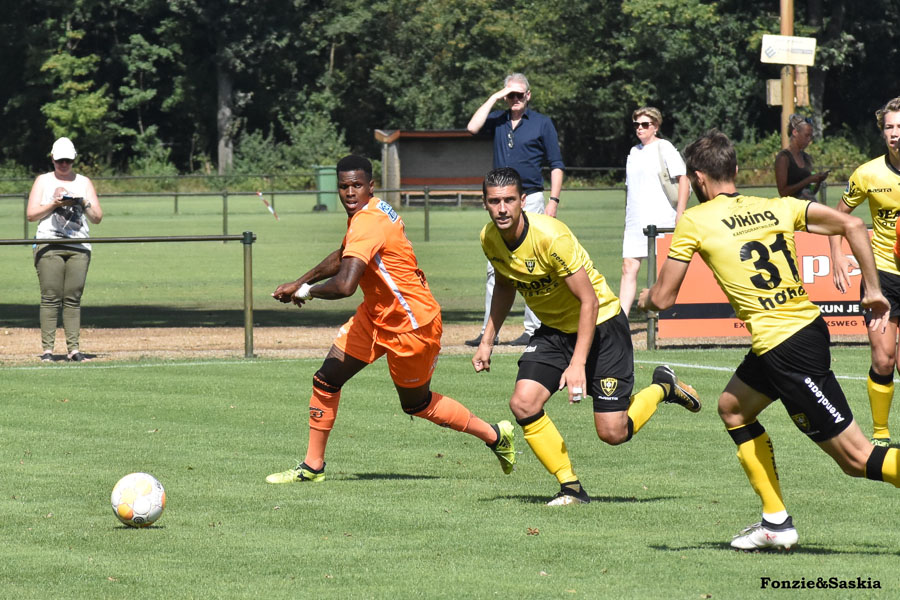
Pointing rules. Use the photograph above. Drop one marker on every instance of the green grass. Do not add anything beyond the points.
(201, 283)
(409, 510)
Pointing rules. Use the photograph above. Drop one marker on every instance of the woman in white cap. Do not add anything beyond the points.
(62, 203)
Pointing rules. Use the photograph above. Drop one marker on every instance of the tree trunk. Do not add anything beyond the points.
(225, 118)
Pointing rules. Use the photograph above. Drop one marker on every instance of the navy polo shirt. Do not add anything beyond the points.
(535, 143)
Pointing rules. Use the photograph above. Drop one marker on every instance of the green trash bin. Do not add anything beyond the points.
(326, 186)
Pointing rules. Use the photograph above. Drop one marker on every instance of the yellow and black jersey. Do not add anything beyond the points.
(545, 254)
(748, 244)
(878, 182)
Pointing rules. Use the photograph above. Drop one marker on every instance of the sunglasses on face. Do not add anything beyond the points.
(642, 124)
(515, 96)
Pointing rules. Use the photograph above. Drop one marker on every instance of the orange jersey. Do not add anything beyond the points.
(395, 293)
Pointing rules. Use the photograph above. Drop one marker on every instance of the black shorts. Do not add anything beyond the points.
(890, 287)
(798, 371)
(609, 368)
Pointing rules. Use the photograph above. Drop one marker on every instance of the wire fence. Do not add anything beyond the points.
(247, 239)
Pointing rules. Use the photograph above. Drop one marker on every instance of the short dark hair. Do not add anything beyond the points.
(355, 163)
(502, 177)
(713, 155)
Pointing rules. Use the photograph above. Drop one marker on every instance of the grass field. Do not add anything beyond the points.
(180, 283)
(409, 510)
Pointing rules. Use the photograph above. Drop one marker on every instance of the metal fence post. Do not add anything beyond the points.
(427, 213)
(224, 213)
(652, 317)
(248, 293)
(176, 203)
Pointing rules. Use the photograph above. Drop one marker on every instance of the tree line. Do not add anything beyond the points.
(166, 86)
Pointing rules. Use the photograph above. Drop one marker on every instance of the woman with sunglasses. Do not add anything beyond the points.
(650, 162)
(794, 173)
(62, 203)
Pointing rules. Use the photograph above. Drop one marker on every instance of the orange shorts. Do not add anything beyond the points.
(411, 356)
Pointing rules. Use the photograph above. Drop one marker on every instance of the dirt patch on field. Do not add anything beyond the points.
(22, 345)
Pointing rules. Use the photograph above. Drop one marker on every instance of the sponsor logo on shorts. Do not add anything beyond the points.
(801, 421)
(609, 385)
(823, 400)
(315, 412)
(529, 349)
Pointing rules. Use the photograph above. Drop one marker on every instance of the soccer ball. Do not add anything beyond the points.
(138, 499)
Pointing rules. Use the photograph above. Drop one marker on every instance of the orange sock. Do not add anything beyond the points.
(447, 412)
(323, 408)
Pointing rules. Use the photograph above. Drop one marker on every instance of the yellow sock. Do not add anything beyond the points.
(757, 457)
(550, 448)
(644, 404)
(884, 465)
(890, 468)
(880, 397)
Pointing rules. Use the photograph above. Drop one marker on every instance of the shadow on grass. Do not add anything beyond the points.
(125, 316)
(531, 499)
(385, 476)
(812, 549)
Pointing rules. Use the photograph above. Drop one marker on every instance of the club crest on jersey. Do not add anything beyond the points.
(529, 264)
(801, 421)
(609, 385)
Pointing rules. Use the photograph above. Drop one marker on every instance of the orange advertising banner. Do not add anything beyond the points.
(702, 310)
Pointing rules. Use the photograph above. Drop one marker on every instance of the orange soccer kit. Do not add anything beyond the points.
(398, 317)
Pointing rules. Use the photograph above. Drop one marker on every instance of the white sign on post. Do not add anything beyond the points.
(788, 50)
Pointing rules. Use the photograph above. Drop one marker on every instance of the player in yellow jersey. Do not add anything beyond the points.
(748, 243)
(878, 182)
(583, 343)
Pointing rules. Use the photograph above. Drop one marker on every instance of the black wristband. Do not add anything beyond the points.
(555, 199)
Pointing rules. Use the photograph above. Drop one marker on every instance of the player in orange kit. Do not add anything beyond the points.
(398, 317)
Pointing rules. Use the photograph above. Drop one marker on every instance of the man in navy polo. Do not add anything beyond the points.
(525, 140)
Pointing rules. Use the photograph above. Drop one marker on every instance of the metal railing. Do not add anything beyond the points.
(247, 239)
(652, 231)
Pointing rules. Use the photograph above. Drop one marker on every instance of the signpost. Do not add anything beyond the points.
(787, 50)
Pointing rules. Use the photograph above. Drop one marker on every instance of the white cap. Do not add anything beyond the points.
(63, 148)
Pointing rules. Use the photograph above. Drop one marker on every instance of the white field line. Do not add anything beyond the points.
(255, 362)
(730, 369)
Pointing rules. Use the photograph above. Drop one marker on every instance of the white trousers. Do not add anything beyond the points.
(534, 203)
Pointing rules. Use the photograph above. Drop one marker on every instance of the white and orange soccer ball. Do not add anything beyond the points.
(138, 499)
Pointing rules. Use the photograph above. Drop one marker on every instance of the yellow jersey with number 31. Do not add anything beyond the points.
(748, 244)
(538, 265)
